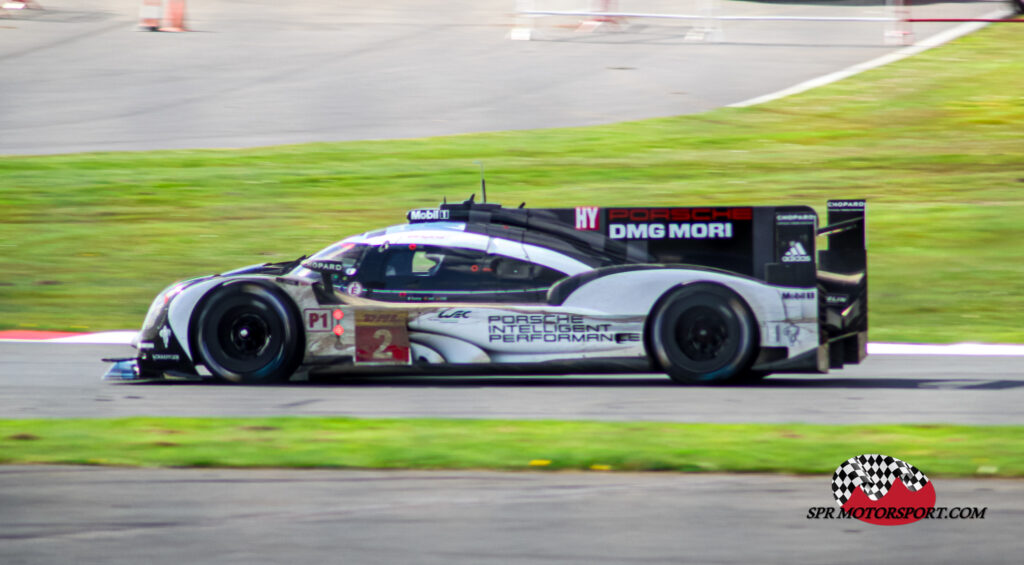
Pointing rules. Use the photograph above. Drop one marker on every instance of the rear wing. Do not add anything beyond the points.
(843, 279)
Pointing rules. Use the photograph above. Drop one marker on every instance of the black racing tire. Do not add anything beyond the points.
(248, 333)
(703, 333)
(1018, 6)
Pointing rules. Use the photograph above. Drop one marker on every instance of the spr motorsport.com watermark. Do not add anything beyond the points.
(883, 490)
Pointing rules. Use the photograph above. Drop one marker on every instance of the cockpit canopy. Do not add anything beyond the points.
(389, 266)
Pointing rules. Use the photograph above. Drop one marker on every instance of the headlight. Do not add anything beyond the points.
(161, 300)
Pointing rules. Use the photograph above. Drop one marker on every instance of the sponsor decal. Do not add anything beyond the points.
(427, 215)
(332, 266)
(806, 295)
(883, 490)
(675, 223)
(846, 204)
(546, 328)
(382, 337)
(165, 357)
(355, 289)
(697, 230)
(165, 334)
(796, 253)
(796, 219)
(587, 218)
(381, 317)
(452, 315)
(679, 214)
(837, 299)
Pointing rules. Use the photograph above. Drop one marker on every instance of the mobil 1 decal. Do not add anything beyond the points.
(717, 237)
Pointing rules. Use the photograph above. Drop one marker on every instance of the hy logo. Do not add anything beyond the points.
(796, 253)
(874, 488)
(586, 218)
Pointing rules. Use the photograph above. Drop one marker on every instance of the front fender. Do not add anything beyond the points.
(181, 308)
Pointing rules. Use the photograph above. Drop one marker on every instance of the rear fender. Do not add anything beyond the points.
(786, 316)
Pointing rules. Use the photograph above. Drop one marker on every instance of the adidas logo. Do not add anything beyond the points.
(796, 254)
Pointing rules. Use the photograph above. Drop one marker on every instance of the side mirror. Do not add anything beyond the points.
(329, 270)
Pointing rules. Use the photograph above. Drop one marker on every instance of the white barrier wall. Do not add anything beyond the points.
(732, 20)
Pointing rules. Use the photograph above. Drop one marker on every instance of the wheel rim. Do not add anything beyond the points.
(247, 338)
(243, 336)
(702, 333)
(249, 335)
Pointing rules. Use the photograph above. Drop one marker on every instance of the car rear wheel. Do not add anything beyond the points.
(703, 333)
(248, 333)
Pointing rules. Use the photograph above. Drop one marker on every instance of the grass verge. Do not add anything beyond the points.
(506, 445)
(934, 143)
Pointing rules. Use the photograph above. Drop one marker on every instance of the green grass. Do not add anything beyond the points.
(935, 143)
(506, 445)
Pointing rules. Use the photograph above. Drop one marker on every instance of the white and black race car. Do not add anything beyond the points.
(704, 294)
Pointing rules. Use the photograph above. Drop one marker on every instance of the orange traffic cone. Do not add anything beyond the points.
(149, 15)
(174, 15)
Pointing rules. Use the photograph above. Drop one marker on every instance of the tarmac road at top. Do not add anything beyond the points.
(76, 77)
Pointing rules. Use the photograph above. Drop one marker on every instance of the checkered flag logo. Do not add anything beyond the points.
(874, 474)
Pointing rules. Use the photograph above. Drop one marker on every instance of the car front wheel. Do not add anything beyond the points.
(248, 333)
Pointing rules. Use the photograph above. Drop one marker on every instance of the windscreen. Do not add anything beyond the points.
(349, 254)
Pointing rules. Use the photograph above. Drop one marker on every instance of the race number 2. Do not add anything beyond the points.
(382, 337)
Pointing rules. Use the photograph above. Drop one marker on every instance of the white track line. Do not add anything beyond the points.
(988, 349)
(125, 337)
(122, 337)
(923, 45)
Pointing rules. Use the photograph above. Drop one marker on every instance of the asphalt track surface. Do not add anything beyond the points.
(78, 77)
(47, 380)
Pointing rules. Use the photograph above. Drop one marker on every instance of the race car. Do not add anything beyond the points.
(707, 295)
